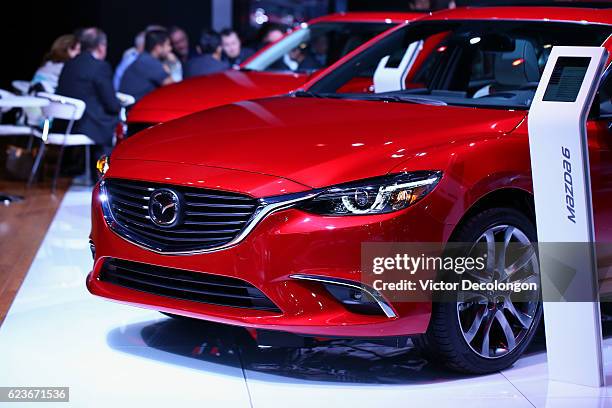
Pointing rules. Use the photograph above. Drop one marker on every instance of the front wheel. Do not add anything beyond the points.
(484, 333)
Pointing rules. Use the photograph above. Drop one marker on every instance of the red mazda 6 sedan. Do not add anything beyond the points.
(254, 213)
(269, 72)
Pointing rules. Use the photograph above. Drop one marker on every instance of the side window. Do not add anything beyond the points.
(605, 96)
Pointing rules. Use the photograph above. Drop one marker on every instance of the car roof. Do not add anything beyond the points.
(369, 17)
(562, 14)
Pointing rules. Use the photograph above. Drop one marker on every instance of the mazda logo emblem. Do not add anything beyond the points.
(164, 207)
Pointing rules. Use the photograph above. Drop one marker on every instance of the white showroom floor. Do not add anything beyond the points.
(111, 355)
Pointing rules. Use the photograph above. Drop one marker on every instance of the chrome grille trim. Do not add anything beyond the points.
(185, 285)
(129, 229)
(378, 298)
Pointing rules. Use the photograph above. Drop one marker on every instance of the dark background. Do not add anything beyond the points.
(28, 28)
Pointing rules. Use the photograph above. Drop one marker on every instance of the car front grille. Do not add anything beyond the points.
(185, 285)
(208, 218)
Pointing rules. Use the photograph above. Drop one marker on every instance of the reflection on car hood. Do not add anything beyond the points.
(315, 142)
(203, 92)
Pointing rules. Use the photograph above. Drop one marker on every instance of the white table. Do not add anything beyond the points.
(23, 102)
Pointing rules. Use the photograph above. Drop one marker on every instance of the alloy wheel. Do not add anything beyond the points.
(494, 323)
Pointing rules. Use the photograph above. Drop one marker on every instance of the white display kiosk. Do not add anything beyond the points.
(564, 212)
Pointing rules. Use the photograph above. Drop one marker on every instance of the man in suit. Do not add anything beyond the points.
(233, 51)
(90, 78)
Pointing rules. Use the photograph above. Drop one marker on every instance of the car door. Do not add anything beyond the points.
(599, 130)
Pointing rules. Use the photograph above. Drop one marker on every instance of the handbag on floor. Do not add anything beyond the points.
(19, 162)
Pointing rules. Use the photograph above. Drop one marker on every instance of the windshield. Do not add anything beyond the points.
(315, 46)
(471, 63)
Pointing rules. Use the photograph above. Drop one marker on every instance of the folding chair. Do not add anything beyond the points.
(71, 110)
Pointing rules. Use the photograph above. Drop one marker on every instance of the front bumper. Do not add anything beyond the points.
(284, 244)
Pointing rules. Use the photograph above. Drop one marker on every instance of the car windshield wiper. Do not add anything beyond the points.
(308, 94)
(404, 99)
(372, 97)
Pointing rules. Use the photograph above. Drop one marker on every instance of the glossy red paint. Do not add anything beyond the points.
(287, 145)
(204, 92)
(577, 14)
(314, 142)
(285, 243)
(294, 241)
(369, 17)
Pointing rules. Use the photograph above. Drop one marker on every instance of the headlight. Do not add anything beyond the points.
(103, 164)
(374, 196)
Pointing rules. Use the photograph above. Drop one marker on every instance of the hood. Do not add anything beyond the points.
(204, 92)
(316, 142)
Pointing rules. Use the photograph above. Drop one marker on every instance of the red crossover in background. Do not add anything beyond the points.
(270, 72)
(254, 213)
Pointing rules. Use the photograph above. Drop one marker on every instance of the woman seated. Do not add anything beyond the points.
(64, 48)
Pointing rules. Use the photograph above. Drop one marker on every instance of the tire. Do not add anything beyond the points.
(447, 339)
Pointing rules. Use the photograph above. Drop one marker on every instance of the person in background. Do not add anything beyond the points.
(173, 66)
(301, 60)
(147, 73)
(443, 4)
(432, 5)
(180, 43)
(90, 78)
(129, 56)
(132, 53)
(233, 52)
(209, 61)
(63, 49)
(181, 52)
(421, 5)
(271, 33)
(320, 49)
